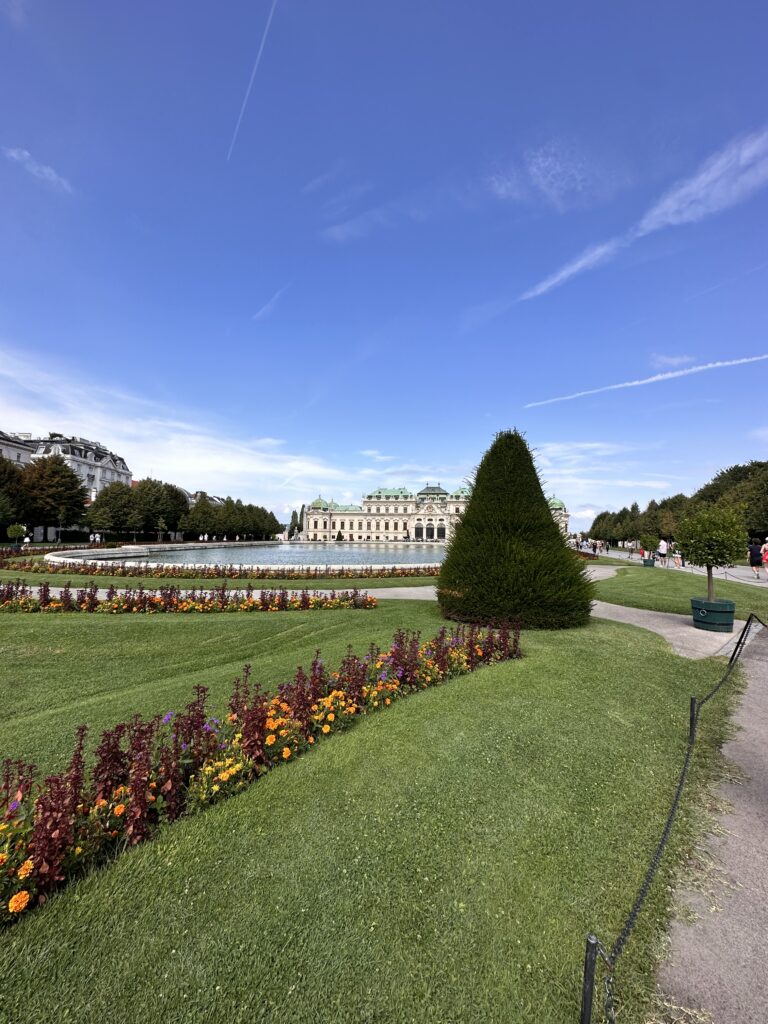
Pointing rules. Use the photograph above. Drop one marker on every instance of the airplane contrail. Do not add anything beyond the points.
(253, 76)
(649, 380)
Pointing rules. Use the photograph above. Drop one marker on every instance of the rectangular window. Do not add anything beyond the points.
(359, 526)
(342, 527)
(394, 527)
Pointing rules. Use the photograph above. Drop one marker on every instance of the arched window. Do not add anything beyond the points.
(419, 532)
(441, 533)
(430, 531)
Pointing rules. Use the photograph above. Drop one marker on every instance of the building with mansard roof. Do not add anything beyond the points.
(94, 464)
(397, 514)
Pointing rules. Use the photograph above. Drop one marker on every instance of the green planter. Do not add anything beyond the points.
(649, 563)
(715, 616)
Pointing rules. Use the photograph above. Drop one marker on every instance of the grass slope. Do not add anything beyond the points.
(441, 862)
(100, 670)
(671, 590)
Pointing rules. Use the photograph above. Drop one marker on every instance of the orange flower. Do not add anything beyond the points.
(119, 810)
(18, 902)
(331, 717)
(3, 859)
(326, 729)
(286, 753)
(25, 870)
(270, 739)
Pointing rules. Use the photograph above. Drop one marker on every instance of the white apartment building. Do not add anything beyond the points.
(17, 448)
(94, 464)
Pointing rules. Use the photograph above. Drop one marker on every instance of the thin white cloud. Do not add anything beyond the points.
(324, 179)
(658, 360)
(252, 79)
(649, 380)
(729, 177)
(40, 171)
(507, 185)
(15, 11)
(376, 455)
(563, 176)
(591, 257)
(269, 307)
(726, 179)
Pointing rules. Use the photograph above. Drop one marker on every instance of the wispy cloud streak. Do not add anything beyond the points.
(649, 380)
(269, 307)
(253, 77)
(726, 179)
(40, 171)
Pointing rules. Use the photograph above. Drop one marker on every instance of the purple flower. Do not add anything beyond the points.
(14, 805)
(168, 717)
(383, 676)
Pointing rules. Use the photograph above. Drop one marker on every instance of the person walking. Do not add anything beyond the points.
(662, 549)
(755, 556)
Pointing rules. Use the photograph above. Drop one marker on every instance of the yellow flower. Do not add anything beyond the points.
(224, 776)
(270, 739)
(3, 859)
(326, 729)
(78, 850)
(18, 902)
(286, 753)
(25, 870)
(215, 787)
(331, 717)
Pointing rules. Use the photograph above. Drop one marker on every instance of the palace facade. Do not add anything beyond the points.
(397, 514)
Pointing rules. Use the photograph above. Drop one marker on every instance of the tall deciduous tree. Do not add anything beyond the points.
(55, 494)
(507, 559)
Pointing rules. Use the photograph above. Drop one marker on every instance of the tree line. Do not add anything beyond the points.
(48, 493)
(742, 488)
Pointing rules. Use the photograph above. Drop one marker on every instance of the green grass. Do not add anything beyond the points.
(440, 862)
(362, 583)
(668, 590)
(101, 669)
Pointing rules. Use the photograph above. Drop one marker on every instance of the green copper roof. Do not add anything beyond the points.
(390, 492)
(556, 503)
(432, 489)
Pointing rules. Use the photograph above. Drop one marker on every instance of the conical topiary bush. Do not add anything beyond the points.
(507, 559)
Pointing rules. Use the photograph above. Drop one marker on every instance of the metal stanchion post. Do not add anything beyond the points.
(588, 987)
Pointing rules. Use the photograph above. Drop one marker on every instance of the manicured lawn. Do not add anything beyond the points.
(101, 669)
(362, 583)
(440, 862)
(671, 590)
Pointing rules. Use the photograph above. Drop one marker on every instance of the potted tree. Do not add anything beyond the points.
(713, 537)
(648, 545)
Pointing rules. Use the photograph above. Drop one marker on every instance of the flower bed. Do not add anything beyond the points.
(216, 572)
(17, 596)
(149, 772)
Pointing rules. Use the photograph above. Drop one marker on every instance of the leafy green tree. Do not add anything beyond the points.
(55, 494)
(507, 559)
(112, 505)
(200, 518)
(15, 532)
(151, 501)
(293, 526)
(713, 536)
(7, 510)
(12, 498)
(100, 519)
(162, 526)
(134, 522)
(175, 506)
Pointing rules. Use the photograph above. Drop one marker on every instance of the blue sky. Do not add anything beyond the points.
(270, 249)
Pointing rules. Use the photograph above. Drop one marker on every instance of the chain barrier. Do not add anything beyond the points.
(595, 948)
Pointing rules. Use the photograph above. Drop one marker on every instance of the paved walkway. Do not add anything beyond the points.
(718, 963)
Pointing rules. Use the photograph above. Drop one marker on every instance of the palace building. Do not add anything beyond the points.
(396, 514)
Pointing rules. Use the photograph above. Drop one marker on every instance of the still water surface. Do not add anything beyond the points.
(304, 554)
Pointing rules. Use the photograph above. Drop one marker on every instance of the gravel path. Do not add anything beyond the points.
(718, 963)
